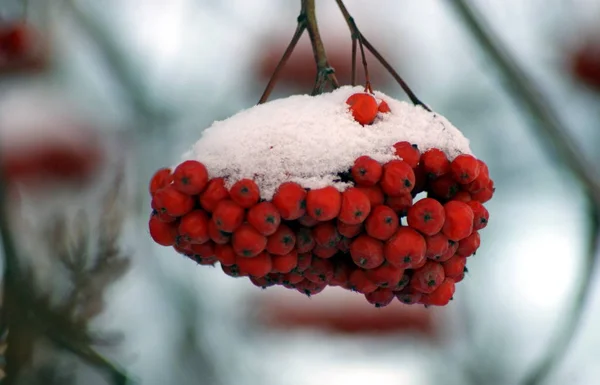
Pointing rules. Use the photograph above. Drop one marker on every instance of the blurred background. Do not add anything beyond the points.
(109, 91)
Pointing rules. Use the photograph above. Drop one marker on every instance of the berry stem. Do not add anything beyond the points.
(353, 80)
(356, 32)
(286, 55)
(325, 73)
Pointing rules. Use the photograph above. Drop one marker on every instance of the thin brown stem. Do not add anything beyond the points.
(325, 73)
(286, 55)
(356, 32)
(353, 81)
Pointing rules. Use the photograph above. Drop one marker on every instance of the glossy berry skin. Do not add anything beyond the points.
(325, 234)
(165, 234)
(480, 215)
(281, 241)
(363, 107)
(455, 266)
(469, 245)
(459, 220)
(355, 206)
(258, 266)
(264, 217)
(386, 275)
(228, 216)
(464, 168)
(440, 296)
(214, 193)
(324, 204)
(161, 178)
(305, 241)
(285, 263)
(437, 246)
(193, 227)
(247, 242)
(290, 200)
(245, 193)
(374, 193)
(366, 171)
(349, 231)
(380, 297)
(408, 153)
(398, 178)
(427, 216)
(427, 278)
(367, 252)
(359, 282)
(382, 223)
(405, 248)
(190, 177)
(173, 202)
(408, 296)
(435, 163)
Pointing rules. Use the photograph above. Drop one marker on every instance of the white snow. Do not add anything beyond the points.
(308, 139)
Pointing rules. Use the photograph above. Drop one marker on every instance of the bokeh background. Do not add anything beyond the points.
(128, 87)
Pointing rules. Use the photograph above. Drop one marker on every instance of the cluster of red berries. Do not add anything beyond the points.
(374, 238)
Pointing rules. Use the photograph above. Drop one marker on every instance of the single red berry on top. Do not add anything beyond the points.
(464, 168)
(427, 216)
(382, 223)
(374, 193)
(355, 206)
(173, 202)
(165, 234)
(323, 204)
(400, 204)
(264, 217)
(290, 200)
(247, 242)
(363, 107)
(245, 192)
(408, 152)
(326, 234)
(285, 263)
(405, 248)
(455, 266)
(480, 215)
(366, 171)
(398, 178)
(348, 231)
(435, 163)
(228, 215)
(358, 281)
(214, 192)
(384, 108)
(427, 278)
(459, 220)
(257, 266)
(385, 275)
(161, 178)
(193, 227)
(190, 177)
(367, 252)
(281, 241)
(469, 245)
(440, 296)
(437, 246)
(380, 297)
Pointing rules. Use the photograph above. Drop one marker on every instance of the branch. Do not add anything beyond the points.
(363, 41)
(548, 126)
(325, 73)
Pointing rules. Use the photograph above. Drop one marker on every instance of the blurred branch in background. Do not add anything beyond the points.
(557, 137)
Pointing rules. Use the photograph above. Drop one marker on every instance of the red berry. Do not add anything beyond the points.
(225, 254)
(160, 213)
(462, 196)
(247, 242)
(385, 275)
(165, 234)
(437, 246)
(444, 187)
(404, 280)
(427, 278)
(455, 266)
(228, 215)
(291, 278)
(233, 271)
(326, 234)
(305, 241)
(374, 193)
(408, 296)
(367, 252)
(380, 297)
(464, 168)
(285, 263)
(214, 193)
(257, 266)
(405, 248)
(349, 231)
(319, 271)
(397, 178)
(482, 179)
(452, 248)
(193, 227)
(281, 241)
(421, 180)
(459, 220)
(264, 217)
(440, 296)
(341, 274)
(359, 282)
(355, 206)
(485, 194)
(216, 235)
(173, 202)
(308, 221)
(363, 108)
(245, 193)
(408, 152)
(290, 200)
(310, 288)
(469, 245)
(324, 252)
(261, 282)
(480, 215)
(384, 108)
(400, 204)
(427, 216)
(382, 223)
(324, 204)
(161, 178)
(366, 171)
(435, 163)
(190, 177)
(304, 261)
(204, 251)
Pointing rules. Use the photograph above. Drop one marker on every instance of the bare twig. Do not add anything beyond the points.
(356, 32)
(550, 127)
(325, 73)
(353, 80)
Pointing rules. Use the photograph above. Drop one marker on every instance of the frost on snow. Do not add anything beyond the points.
(309, 139)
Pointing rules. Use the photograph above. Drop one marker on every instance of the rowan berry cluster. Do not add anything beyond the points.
(376, 238)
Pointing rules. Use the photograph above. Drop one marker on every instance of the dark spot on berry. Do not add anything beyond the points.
(415, 146)
(407, 183)
(407, 259)
(431, 283)
(377, 305)
(287, 240)
(388, 220)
